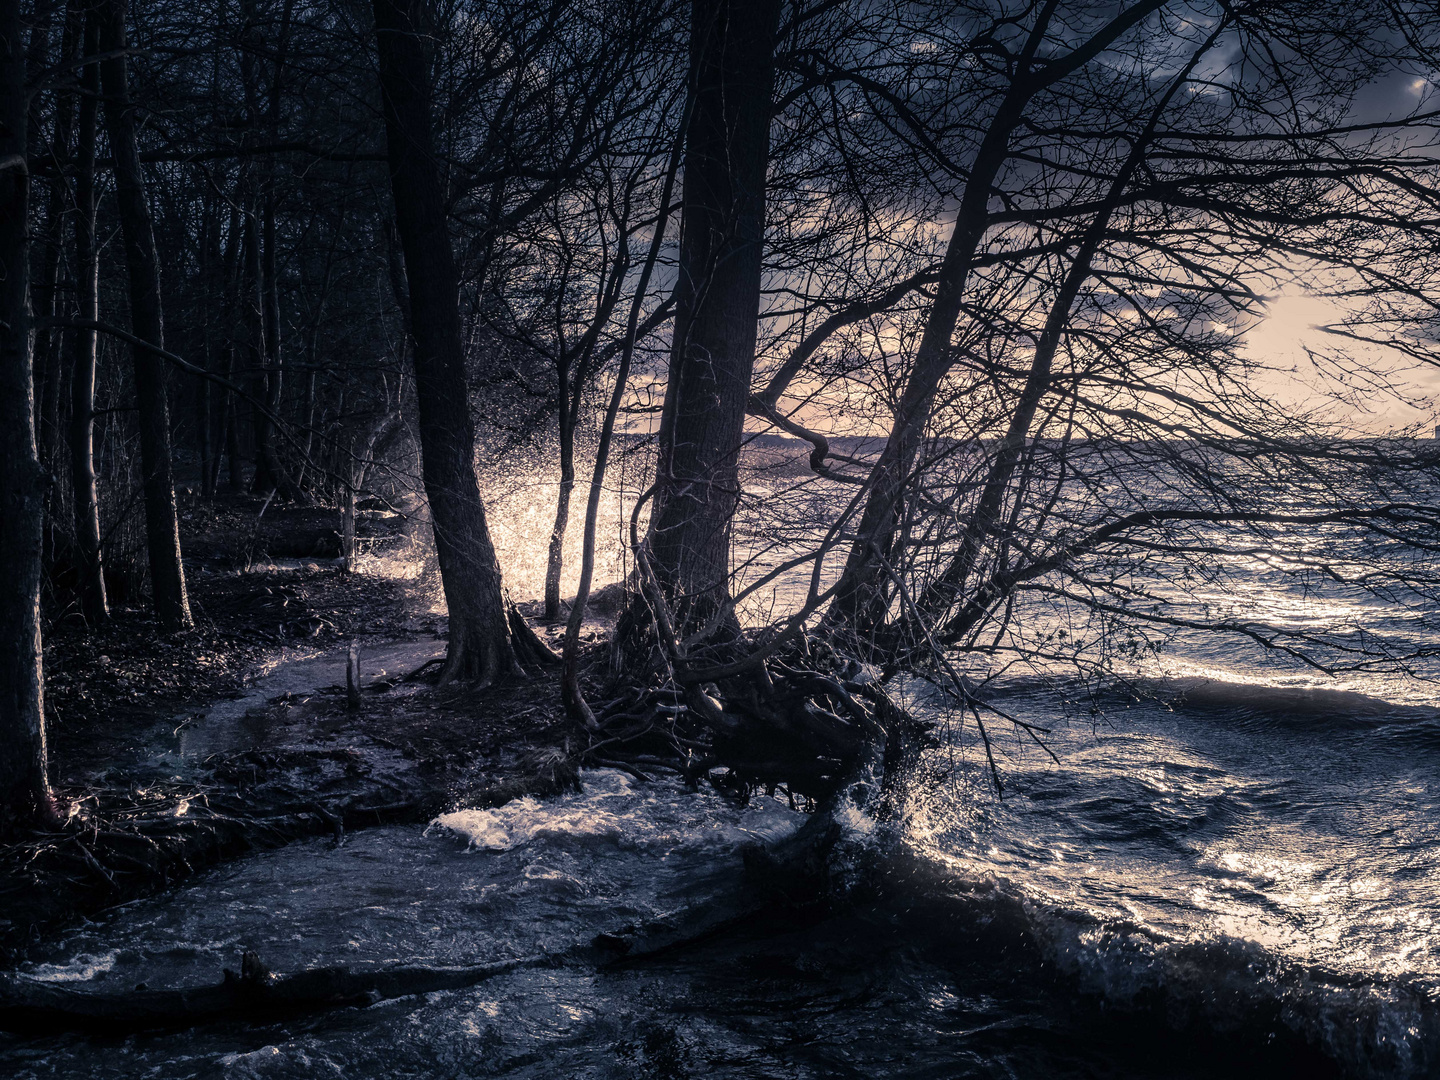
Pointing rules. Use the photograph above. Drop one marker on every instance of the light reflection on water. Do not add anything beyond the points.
(1237, 802)
(1251, 848)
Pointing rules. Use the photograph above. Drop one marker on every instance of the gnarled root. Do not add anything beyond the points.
(803, 718)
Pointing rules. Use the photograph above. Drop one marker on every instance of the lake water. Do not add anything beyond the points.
(1232, 870)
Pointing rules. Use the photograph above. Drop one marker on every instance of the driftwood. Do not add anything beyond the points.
(254, 994)
(789, 875)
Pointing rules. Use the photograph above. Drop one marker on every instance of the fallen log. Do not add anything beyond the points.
(255, 994)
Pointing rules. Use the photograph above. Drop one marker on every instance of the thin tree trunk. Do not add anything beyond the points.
(44, 299)
(570, 692)
(274, 370)
(949, 586)
(229, 435)
(269, 339)
(83, 346)
(555, 559)
(252, 312)
(162, 526)
(861, 600)
(210, 261)
(24, 787)
(234, 456)
(480, 645)
(717, 299)
(45, 268)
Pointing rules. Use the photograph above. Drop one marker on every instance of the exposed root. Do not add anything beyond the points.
(802, 719)
(530, 647)
(481, 656)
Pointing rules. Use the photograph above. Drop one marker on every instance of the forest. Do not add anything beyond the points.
(843, 405)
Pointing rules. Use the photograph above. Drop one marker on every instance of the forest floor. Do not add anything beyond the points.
(121, 698)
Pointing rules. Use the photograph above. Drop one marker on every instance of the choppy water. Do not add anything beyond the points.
(1232, 870)
(1243, 882)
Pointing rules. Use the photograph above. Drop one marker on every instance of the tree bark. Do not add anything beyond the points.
(267, 457)
(555, 558)
(861, 600)
(228, 444)
(162, 526)
(89, 557)
(717, 298)
(252, 318)
(211, 258)
(49, 375)
(24, 787)
(480, 645)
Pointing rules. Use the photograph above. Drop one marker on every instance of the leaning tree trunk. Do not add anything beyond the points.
(480, 637)
(24, 788)
(83, 347)
(717, 299)
(162, 526)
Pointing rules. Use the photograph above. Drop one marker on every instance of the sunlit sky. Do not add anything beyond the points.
(1291, 326)
(1296, 314)
(1295, 318)
(1294, 326)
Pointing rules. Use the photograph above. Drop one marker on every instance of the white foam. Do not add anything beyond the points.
(612, 809)
(81, 969)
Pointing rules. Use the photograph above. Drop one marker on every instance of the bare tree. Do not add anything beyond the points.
(83, 342)
(717, 299)
(162, 526)
(24, 785)
(481, 646)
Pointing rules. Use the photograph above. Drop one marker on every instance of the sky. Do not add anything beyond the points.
(1296, 315)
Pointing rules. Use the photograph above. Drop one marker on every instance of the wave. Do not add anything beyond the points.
(612, 810)
(1123, 979)
(1221, 693)
(1198, 694)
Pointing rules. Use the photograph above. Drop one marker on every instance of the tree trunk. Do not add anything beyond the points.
(228, 446)
(252, 318)
(861, 597)
(162, 526)
(555, 558)
(861, 600)
(717, 299)
(24, 787)
(48, 371)
(480, 646)
(210, 260)
(266, 454)
(234, 455)
(83, 347)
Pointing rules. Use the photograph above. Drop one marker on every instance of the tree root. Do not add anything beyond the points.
(803, 718)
